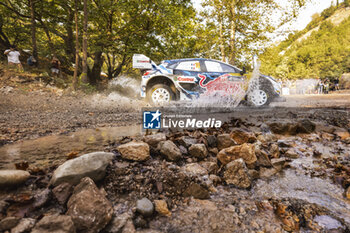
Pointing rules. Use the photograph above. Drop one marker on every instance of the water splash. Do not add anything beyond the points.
(221, 99)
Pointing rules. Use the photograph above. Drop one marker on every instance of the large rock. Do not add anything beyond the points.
(302, 126)
(154, 139)
(91, 165)
(198, 150)
(89, 209)
(144, 207)
(237, 173)
(241, 136)
(55, 224)
(224, 141)
(245, 151)
(136, 151)
(169, 150)
(13, 177)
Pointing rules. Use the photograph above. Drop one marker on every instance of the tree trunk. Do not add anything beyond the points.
(232, 59)
(69, 40)
(95, 74)
(85, 44)
(75, 77)
(33, 29)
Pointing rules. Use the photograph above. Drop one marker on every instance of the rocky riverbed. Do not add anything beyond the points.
(254, 174)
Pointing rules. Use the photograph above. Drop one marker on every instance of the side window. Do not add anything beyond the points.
(213, 66)
(189, 66)
(229, 69)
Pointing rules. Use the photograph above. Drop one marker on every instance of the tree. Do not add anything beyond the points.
(85, 44)
(76, 68)
(245, 24)
(33, 29)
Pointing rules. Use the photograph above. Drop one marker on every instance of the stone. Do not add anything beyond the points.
(215, 179)
(154, 139)
(183, 150)
(342, 134)
(118, 222)
(214, 150)
(197, 191)
(253, 174)
(62, 192)
(169, 150)
(162, 208)
(236, 173)
(135, 151)
(279, 163)
(347, 193)
(244, 151)
(225, 141)
(195, 169)
(8, 223)
(212, 141)
(55, 224)
(144, 207)
(267, 172)
(89, 209)
(327, 136)
(13, 177)
(186, 141)
(41, 198)
(198, 150)
(305, 126)
(25, 225)
(211, 167)
(262, 158)
(241, 136)
(291, 153)
(91, 165)
(129, 227)
(291, 128)
(274, 151)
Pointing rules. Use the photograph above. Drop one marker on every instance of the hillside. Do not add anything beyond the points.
(322, 49)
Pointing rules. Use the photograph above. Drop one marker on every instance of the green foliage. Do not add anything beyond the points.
(325, 53)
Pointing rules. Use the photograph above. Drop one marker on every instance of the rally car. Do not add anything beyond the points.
(189, 79)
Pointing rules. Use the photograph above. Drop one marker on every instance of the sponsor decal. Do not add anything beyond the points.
(186, 79)
(222, 83)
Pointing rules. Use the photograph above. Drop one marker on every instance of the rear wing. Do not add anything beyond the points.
(140, 61)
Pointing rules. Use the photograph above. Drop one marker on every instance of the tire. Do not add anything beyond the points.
(262, 96)
(160, 94)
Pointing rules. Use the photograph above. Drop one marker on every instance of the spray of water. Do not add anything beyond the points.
(222, 99)
(122, 92)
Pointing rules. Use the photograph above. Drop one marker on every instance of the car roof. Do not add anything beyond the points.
(188, 59)
(170, 62)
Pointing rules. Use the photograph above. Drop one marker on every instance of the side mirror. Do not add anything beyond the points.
(244, 71)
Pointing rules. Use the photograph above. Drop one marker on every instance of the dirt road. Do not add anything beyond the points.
(31, 114)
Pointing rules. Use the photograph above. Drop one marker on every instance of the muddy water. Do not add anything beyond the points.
(51, 150)
(294, 183)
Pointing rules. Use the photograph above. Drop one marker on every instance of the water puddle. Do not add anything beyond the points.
(295, 184)
(50, 150)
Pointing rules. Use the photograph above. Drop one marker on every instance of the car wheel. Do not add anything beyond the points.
(160, 94)
(260, 97)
